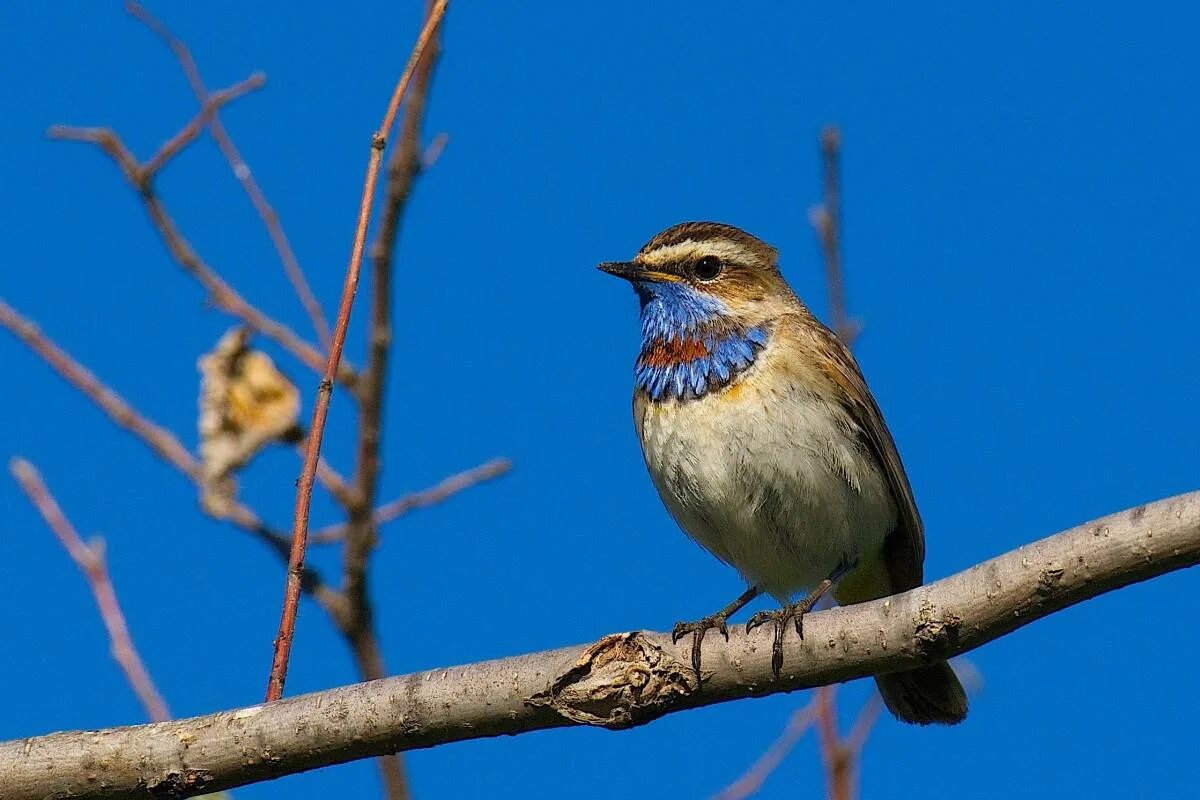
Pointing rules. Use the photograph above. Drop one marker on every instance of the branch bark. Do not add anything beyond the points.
(621, 681)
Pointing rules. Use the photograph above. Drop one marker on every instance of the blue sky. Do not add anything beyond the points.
(1020, 203)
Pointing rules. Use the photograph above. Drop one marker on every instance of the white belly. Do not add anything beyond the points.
(766, 479)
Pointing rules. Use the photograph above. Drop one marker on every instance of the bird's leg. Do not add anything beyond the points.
(794, 612)
(717, 620)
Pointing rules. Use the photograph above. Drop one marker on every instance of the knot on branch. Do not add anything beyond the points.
(620, 681)
(184, 783)
(936, 631)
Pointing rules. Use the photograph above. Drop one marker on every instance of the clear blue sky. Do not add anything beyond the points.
(1020, 201)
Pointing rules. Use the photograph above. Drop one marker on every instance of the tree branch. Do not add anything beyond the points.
(621, 681)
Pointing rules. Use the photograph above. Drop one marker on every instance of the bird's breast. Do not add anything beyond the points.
(767, 475)
(695, 363)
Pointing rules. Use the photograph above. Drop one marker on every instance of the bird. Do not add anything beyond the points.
(768, 449)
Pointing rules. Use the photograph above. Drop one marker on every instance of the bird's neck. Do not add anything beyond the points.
(691, 345)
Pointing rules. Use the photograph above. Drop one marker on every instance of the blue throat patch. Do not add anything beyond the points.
(690, 346)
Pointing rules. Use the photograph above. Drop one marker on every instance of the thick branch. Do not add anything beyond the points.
(621, 681)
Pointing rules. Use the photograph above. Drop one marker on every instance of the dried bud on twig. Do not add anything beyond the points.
(245, 404)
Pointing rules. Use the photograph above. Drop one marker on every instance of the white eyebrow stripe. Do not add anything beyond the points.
(688, 249)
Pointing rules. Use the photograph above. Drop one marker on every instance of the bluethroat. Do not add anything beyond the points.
(768, 449)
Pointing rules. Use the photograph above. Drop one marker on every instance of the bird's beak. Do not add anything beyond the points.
(634, 272)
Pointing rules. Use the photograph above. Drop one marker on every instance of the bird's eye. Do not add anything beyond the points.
(708, 268)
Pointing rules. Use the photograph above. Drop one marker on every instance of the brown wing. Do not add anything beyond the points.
(904, 548)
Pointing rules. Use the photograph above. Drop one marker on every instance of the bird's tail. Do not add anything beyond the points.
(925, 695)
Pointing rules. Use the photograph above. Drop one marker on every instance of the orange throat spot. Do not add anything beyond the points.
(669, 353)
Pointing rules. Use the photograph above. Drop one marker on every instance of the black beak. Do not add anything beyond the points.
(629, 270)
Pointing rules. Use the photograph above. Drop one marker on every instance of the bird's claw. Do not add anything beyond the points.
(698, 629)
(793, 613)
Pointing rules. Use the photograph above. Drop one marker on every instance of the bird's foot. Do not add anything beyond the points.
(781, 617)
(698, 629)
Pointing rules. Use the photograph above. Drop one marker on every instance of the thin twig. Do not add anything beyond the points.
(839, 756)
(424, 498)
(287, 623)
(90, 560)
(753, 779)
(833, 756)
(221, 293)
(856, 740)
(160, 440)
(826, 219)
(208, 112)
(241, 171)
(402, 170)
(362, 533)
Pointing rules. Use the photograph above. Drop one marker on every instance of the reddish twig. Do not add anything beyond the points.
(826, 219)
(362, 533)
(206, 116)
(839, 756)
(222, 294)
(160, 440)
(768, 762)
(435, 494)
(241, 171)
(90, 560)
(328, 477)
(287, 624)
(856, 740)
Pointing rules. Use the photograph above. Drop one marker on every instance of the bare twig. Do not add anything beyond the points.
(362, 530)
(287, 624)
(856, 740)
(90, 560)
(241, 171)
(160, 440)
(834, 757)
(189, 133)
(839, 756)
(328, 477)
(435, 494)
(620, 681)
(221, 293)
(826, 219)
(752, 780)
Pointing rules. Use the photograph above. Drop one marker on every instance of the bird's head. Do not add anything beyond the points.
(695, 271)
(709, 293)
